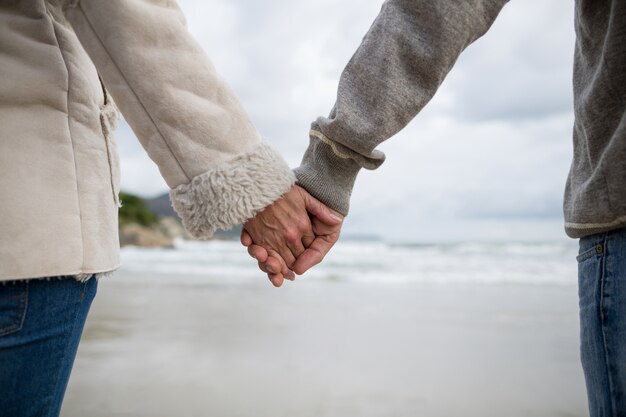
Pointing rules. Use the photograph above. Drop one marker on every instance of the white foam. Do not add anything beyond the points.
(226, 261)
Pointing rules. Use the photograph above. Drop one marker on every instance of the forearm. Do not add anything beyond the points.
(397, 69)
(185, 116)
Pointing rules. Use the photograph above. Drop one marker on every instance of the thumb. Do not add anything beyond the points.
(320, 210)
(308, 259)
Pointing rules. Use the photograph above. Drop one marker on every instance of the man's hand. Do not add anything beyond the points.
(294, 233)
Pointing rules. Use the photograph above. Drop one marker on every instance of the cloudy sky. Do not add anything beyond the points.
(488, 157)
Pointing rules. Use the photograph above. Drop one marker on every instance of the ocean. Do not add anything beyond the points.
(378, 329)
(543, 263)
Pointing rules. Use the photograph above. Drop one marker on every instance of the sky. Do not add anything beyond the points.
(488, 157)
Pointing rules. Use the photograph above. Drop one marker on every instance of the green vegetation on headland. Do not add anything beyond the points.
(153, 223)
(141, 226)
(135, 210)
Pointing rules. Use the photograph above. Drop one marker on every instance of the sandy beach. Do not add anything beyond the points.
(327, 349)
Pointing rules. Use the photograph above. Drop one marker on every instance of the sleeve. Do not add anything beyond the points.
(400, 64)
(192, 126)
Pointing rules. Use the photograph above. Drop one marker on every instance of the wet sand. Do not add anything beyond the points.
(328, 349)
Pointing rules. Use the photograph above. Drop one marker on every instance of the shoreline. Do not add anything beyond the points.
(326, 349)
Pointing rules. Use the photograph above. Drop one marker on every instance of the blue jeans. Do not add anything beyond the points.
(40, 326)
(602, 296)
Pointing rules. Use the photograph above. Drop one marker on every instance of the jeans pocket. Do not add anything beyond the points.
(13, 301)
(591, 247)
(597, 250)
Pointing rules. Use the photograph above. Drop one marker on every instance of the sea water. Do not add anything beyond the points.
(227, 262)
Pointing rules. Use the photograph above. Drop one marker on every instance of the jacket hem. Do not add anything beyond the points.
(82, 276)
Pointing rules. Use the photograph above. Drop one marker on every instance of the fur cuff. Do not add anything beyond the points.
(233, 192)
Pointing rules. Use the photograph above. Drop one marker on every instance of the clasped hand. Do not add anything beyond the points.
(291, 235)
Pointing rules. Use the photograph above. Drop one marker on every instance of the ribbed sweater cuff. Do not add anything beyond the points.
(326, 176)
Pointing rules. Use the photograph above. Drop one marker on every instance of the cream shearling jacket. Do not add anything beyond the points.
(59, 169)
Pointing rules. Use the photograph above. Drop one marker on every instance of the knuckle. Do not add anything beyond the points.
(303, 224)
(292, 235)
(273, 264)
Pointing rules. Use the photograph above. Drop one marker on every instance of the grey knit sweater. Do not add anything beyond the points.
(403, 60)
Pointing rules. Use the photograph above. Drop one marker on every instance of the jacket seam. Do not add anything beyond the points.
(69, 130)
(130, 88)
